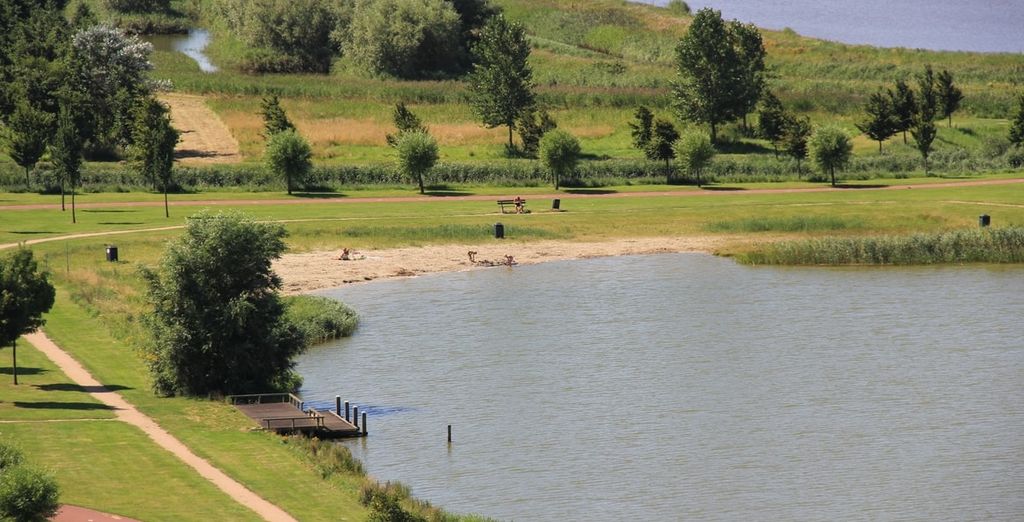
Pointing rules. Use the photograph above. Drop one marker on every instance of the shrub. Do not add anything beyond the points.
(404, 38)
(284, 35)
(27, 494)
(320, 319)
(138, 6)
(10, 456)
(328, 458)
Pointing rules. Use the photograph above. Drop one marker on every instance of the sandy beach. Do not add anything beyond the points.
(311, 271)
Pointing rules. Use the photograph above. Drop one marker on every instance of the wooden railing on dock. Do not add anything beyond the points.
(265, 398)
(285, 412)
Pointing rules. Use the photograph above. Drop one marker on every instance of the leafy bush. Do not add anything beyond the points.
(328, 458)
(284, 35)
(320, 319)
(138, 6)
(405, 38)
(27, 494)
(10, 456)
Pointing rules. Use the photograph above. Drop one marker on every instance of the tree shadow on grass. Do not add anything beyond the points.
(63, 386)
(23, 371)
(30, 232)
(447, 193)
(590, 191)
(866, 186)
(48, 405)
(121, 223)
(319, 195)
(106, 210)
(723, 189)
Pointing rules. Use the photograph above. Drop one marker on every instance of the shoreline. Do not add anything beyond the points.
(308, 272)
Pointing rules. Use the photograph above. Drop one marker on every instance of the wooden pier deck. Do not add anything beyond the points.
(286, 413)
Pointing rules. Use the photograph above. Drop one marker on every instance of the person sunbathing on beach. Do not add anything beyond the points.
(346, 255)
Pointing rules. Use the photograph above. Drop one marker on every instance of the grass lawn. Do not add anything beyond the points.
(43, 391)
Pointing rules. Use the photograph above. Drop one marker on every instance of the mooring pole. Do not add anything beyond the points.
(347, 419)
(364, 423)
(337, 404)
(449, 434)
(355, 416)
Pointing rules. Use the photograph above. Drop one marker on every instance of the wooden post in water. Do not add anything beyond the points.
(347, 419)
(449, 434)
(337, 405)
(355, 416)
(364, 423)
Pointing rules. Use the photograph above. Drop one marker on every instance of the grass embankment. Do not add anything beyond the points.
(319, 318)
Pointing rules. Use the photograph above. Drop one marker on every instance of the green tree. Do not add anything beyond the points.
(663, 138)
(694, 153)
(642, 128)
(501, 82)
(217, 323)
(405, 38)
(153, 145)
(28, 495)
(533, 125)
(473, 15)
(720, 69)
(831, 149)
(405, 121)
(138, 6)
(417, 154)
(880, 122)
(289, 156)
(25, 295)
(950, 96)
(923, 130)
(559, 152)
(1017, 124)
(27, 133)
(904, 106)
(275, 119)
(924, 133)
(773, 120)
(284, 35)
(66, 155)
(794, 139)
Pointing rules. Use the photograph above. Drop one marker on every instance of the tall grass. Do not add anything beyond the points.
(786, 224)
(320, 319)
(999, 245)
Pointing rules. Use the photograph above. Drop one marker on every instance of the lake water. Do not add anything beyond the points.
(192, 45)
(950, 25)
(690, 387)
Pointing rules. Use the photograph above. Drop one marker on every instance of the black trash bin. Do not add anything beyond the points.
(556, 204)
(499, 231)
(111, 253)
(984, 220)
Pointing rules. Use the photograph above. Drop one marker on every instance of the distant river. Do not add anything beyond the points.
(688, 387)
(947, 25)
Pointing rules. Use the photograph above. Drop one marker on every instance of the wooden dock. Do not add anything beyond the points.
(286, 413)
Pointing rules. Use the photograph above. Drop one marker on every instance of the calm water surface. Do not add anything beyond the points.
(950, 25)
(689, 387)
(192, 45)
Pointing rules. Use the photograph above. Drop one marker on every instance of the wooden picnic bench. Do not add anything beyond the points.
(510, 203)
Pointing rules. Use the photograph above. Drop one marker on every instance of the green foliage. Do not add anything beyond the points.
(153, 142)
(949, 95)
(904, 107)
(831, 149)
(10, 456)
(25, 295)
(66, 153)
(992, 245)
(694, 153)
(880, 121)
(1017, 122)
(642, 129)
(533, 126)
(320, 319)
(405, 121)
(405, 38)
(283, 35)
(502, 80)
(28, 495)
(721, 70)
(773, 120)
(138, 6)
(663, 138)
(678, 7)
(385, 508)
(274, 118)
(923, 128)
(26, 136)
(559, 152)
(417, 154)
(794, 139)
(217, 324)
(329, 459)
(289, 156)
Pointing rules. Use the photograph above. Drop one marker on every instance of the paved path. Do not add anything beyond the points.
(343, 200)
(128, 413)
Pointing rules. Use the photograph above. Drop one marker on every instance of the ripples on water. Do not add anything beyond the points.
(687, 386)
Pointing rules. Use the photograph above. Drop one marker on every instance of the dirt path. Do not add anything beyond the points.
(204, 137)
(128, 413)
(341, 200)
(69, 513)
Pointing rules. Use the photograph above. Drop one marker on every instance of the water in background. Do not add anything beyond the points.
(192, 45)
(946, 25)
(689, 387)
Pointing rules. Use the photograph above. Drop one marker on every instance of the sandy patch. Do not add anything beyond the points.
(310, 271)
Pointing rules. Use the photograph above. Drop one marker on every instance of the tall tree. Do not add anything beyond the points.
(153, 145)
(772, 121)
(289, 156)
(662, 139)
(502, 80)
(417, 154)
(694, 153)
(1017, 124)
(405, 121)
(533, 125)
(831, 148)
(950, 96)
(642, 128)
(559, 152)
(923, 130)
(217, 324)
(924, 133)
(720, 69)
(25, 295)
(879, 122)
(28, 131)
(66, 155)
(794, 139)
(275, 119)
(904, 106)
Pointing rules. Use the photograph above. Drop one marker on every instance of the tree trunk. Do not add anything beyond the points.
(776, 147)
(288, 181)
(879, 147)
(62, 209)
(949, 123)
(698, 179)
(14, 359)
(419, 177)
(73, 220)
(798, 172)
(714, 134)
(556, 180)
(167, 210)
(832, 171)
(511, 146)
(904, 136)
(28, 183)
